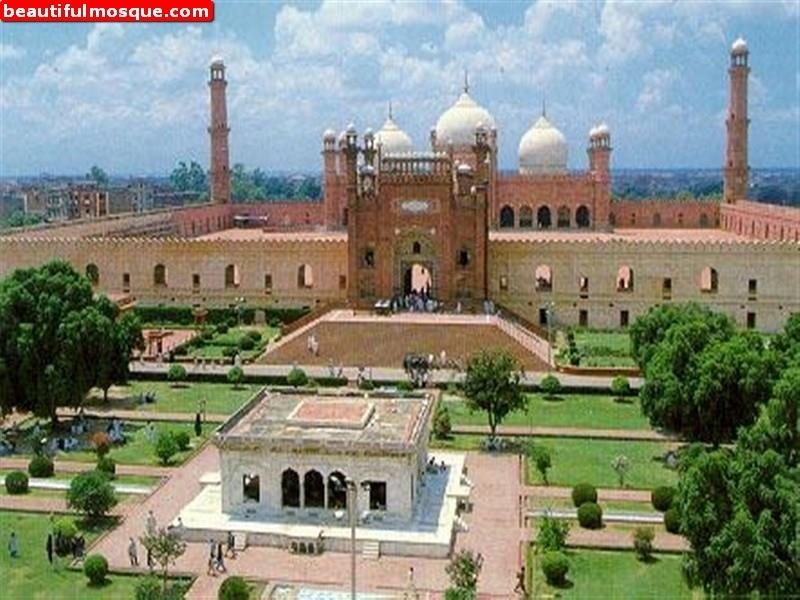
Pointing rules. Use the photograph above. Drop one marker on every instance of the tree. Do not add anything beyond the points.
(98, 175)
(550, 386)
(464, 570)
(164, 548)
(176, 373)
(189, 178)
(235, 377)
(620, 387)
(442, 425)
(621, 466)
(552, 534)
(297, 377)
(540, 457)
(492, 385)
(643, 542)
(166, 447)
(91, 493)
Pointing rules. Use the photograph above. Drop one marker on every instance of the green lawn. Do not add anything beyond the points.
(215, 347)
(596, 574)
(220, 398)
(593, 411)
(603, 348)
(30, 576)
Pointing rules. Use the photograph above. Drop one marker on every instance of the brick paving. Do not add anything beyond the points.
(603, 494)
(140, 415)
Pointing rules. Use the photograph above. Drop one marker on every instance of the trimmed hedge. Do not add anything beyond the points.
(41, 466)
(590, 515)
(662, 498)
(583, 493)
(672, 520)
(234, 588)
(95, 567)
(555, 567)
(184, 315)
(17, 482)
(183, 439)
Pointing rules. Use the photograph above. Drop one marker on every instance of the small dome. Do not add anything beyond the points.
(602, 129)
(216, 61)
(392, 139)
(739, 46)
(543, 149)
(458, 123)
(351, 128)
(329, 134)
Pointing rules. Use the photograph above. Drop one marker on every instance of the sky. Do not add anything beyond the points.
(133, 98)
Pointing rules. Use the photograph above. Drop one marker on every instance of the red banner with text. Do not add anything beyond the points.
(124, 11)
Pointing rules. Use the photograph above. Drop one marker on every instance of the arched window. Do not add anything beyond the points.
(290, 488)
(93, 274)
(337, 491)
(583, 217)
(543, 218)
(160, 276)
(656, 219)
(525, 217)
(544, 278)
(709, 280)
(704, 220)
(231, 276)
(506, 217)
(563, 217)
(416, 248)
(680, 219)
(305, 277)
(313, 490)
(251, 487)
(625, 279)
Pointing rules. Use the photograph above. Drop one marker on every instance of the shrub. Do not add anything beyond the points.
(222, 328)
(166, 447)
(17, 482)
(235, 376)
(540, 457)
(148, 588)
(583, 493)
(231, 322)
(590, 515)
(41, 466)
(405, 386)
(106, 464)
(230, 351)
(101, 443)
(182, 350)
(552, 534)
(247, 343)
(207, 334)
(672, 520)
(555, 567)
(254, 334)
(297, 377)
(662, 498)
(234, 588)
(550, 386)
(64, 531)
(643, 542)
(183, 439)
(366, 385)
(176, 373)
(620, 386)
(95, 567)
(91, 493)
(441, 422)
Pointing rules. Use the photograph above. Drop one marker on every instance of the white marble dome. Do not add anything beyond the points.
(458, 123)
(392, 139)
(739, 46)
(543, 149)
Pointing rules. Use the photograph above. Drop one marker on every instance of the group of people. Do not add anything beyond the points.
(114, 431)
(433, 468)
(216, 558)
(415, 302)
(334, 371)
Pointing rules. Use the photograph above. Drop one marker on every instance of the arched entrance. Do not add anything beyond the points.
(417, 279)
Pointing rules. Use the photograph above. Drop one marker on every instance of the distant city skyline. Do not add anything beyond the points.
(133, 98)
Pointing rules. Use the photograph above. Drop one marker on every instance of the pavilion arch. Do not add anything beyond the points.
(583, 218)
(525, 217)
(251, 487)
(160, 276)
(232, 276)
(625, 279)
(709, 280)
(506, 217)
(337, 491)
(563, 217)
(704, 222)
(544, 219)
(544, 278)
(93, 274)
(290, 489)
(656, 219)
(305, 277)
(612, 219)
(313, 489)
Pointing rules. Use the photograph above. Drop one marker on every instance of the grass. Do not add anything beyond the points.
(30, 576)
(614, 575)
(215, 347)
(603, 348)
(220, 398)
(569, 410)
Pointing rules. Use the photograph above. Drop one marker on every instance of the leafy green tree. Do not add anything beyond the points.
(539, 457)
(97, 175)
(176, 373)
(189, 178)
(91, 493)
(643, 542)
(552, 534)
(165, 547)
(492, 385)
(234, 588)
(464, 570)
(550, 386)
(297, 377)
(235, 377)
(620, 387)
(166, 447)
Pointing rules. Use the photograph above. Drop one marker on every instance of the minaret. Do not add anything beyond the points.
(599, 152)
(220, 163)
(736, 169)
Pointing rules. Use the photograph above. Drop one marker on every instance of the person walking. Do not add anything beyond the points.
(133, 554)
(13, 545)
(49, 548)
(151, 524)
(212, 559)
(230, 545)
(220, 559)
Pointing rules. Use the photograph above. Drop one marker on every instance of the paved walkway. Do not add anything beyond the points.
(603, 494)
(78, 467)
(649, 518)
(63, 485)
(55, 504)
(642, 435)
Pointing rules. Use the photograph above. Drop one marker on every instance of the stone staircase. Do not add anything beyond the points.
(371, 550)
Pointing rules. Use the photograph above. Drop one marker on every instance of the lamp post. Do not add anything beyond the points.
(549, 308)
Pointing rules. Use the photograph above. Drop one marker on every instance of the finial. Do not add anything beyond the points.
(466, 81)
(390, 110)
(544, 106)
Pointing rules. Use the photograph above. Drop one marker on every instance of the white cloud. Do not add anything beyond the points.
(10, 52)
(656, 89)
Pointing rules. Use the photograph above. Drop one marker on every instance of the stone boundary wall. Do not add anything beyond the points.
(762, 221)
(667, 214)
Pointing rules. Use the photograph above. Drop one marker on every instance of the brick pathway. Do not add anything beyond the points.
(575, 432)
(55, 504)
(78, 467)
(603, 494)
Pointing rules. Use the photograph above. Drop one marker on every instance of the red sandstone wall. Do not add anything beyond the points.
(281, 216)
(762, 221)
(676, 214)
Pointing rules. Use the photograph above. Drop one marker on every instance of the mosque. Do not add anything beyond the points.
(543, 242)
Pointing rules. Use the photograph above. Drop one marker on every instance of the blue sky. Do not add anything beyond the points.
(133, 98)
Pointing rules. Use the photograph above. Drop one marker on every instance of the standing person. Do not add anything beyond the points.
(13, 545)
(212, 559)
(220, 559)
(520, 587)
(49, 548)
(133, 554)
(231, 542)
(151, 523)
